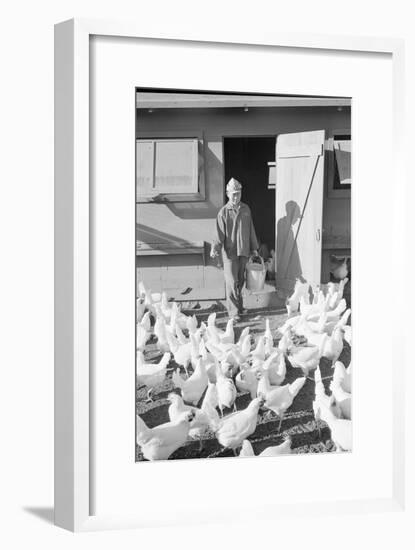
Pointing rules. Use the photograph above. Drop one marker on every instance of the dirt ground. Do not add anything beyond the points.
(298, 421)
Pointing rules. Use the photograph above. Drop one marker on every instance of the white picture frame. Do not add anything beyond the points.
(76, 212)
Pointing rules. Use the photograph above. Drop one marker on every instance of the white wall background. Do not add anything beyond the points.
(26, 269)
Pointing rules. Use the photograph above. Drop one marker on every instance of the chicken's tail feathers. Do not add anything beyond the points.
(244, 333)
(287, 439)
(165, 359)
(260, 346)
(212, 415)
(247, 449)
(194, 342)
(296, 386)
(322, 343)
(164, 300)
(211, 319)
(142, 430)
(202, 350)
(344, 318)
(177, 379)
(142, 291)
(180, 336)
(172, 342)
(145, 321)
(341, 306)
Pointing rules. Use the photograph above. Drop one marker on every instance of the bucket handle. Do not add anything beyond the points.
(257, 256)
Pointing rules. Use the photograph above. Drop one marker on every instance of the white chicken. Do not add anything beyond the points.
(210, 399)
(348, 334)
(181, 337)
(151, 374)
(326, 409)
(276, 450)
(212, 330)
(142, 337)
(143, 333)
(309, 327)
(160, 332)
(258, 354)
(332, 346)
(304, 326)
(235, 358)
(147, 296)
(340, 428)
(306, 358)
(145, 321)
(285, 341)
(343, 376)
(319, 395)
(193, 387)
(166, 307)
(191, 324)
(300, 290)
(201, 421)
(341, 286)
(229, 336)
(334, 314)
(140, 309)
(342, 399)
(184, 354)
(225, 387)
(268, 339)
(278, 398)
(234, 428)
(290, 323)
(244, 347)
(179, 317)
(242, 336)
(309, 311)
(160, 442)
(246, 381)
(276, 368)
(208, 360)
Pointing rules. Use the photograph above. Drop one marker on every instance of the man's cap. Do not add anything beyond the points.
(233, 185)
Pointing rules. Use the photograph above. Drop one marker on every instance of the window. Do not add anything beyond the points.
(342, 161)
(168, 169)
(339, 156)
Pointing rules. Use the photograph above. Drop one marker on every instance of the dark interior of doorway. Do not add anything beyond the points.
(246, 159)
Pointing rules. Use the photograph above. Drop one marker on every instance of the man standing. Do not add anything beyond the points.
(235, 235)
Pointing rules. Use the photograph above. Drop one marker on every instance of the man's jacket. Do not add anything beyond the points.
(235, 232)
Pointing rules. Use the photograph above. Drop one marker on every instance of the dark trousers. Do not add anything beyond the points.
(234, 271)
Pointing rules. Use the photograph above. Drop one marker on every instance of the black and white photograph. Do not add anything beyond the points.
(243, 274)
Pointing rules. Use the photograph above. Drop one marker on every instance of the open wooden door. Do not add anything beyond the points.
(299, 208)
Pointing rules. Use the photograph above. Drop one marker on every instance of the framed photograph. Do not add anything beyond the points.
(205, 223)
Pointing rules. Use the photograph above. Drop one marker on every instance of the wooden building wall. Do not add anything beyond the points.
(195, 221)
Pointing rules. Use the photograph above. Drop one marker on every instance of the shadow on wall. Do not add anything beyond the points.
(288, 258)
(164, 242)
(150, 235)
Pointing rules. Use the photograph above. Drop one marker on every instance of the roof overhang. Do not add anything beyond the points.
(159, 100)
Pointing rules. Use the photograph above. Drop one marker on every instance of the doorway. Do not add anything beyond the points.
(246, 159)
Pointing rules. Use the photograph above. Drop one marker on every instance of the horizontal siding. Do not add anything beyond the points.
(182, 278)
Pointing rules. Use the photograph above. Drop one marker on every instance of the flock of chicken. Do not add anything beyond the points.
(209, 366)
